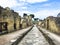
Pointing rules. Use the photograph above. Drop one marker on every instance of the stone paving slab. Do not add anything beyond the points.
(4, 39)
(54, 37)
(34, 37)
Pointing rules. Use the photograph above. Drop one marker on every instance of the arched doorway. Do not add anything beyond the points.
(20, 26)
(0, 27)
(3, 26)
(47, 23)
(14, 25)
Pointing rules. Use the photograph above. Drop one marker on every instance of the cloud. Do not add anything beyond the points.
(33, 1)
(45, 13)
(41, 14)
(47, 5)
(23, 7)
(41, 11)
(11, 3)
(8, 3)
(21, 12)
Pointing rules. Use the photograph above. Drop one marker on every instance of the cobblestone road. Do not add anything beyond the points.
(5, 39)
(34, 37)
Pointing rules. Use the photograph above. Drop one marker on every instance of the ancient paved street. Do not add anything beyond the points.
(7, 38)
(34, 37)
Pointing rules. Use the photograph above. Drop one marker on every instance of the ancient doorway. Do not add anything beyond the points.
(14, 25)
(21, 26)
(0, 27)
(3, 26)
(48, 24)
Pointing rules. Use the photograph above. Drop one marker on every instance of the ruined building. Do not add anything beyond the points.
(9, 20)
(51, 23)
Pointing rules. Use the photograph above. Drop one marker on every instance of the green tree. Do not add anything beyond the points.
(32, 15)
(35, 19)
(24, 14)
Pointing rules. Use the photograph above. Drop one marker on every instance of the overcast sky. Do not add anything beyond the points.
(41, 8)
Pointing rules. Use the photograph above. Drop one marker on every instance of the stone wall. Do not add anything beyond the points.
(11, 17)
(51, 23)
(11, 20)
